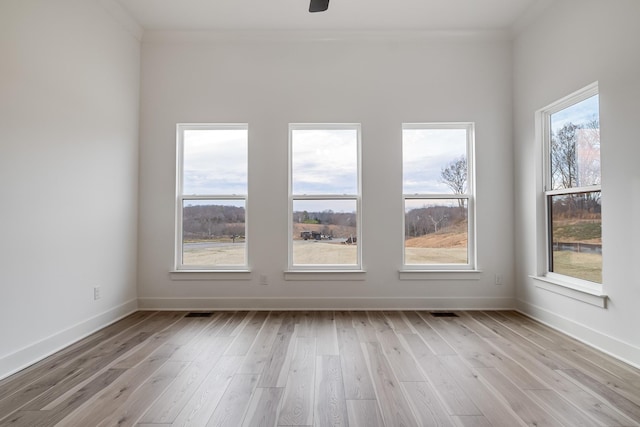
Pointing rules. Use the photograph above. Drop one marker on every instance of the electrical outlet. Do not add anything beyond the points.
(499, 279)
(264, 280)
(97, 293)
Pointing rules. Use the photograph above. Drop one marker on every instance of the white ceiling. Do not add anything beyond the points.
(343, 15)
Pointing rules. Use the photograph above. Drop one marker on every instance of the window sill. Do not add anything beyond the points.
(325, 275)
(586, 294)
(440, 274)
(210, 275)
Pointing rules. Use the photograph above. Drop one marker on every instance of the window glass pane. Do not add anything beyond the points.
(436, 231)
(215, 161)
(576, 235)
(213, 232)
(324, 161)
(575, 145)
(434, 161)
(324, 232)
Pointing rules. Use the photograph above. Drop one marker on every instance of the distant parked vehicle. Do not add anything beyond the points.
(313, 235)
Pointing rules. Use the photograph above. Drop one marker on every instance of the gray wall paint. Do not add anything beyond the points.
(376, 82)
(573, 44)
(69, 164)
(68, 171)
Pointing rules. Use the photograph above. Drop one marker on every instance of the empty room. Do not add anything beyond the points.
(319, 213)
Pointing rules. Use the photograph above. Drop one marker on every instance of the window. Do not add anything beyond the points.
(571, 137)
(211, 197)
(324, 197)
(438, 196)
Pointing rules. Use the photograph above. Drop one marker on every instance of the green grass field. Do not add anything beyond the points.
(586, 266)
(584, 231)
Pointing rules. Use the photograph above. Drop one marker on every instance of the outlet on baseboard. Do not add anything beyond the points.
(97, 293)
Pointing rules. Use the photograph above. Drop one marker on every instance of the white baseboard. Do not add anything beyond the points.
(614, 347)
(33, 353)
(351, 303)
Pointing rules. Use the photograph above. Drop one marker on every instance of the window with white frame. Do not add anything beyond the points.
(211, 200)
(573, 205)
(324, 197)
(438, 196)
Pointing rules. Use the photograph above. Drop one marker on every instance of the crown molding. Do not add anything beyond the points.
(532, 13)
(214, 36)
(122, 17)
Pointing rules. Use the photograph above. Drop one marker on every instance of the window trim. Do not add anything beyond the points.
(470, 196)
(179, 267)
(324, 268)
(576, 288)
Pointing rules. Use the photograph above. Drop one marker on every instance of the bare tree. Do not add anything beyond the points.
(564, 171)
(454, 175)
(575, 162)
(440, 217)
(588, 154)
(211, 221)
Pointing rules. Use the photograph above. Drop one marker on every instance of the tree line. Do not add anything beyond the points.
(432, 219)
(577, 206)
(575, 162)
(575, 155)
(213, 222)
(205, 222)
(326, 217)
(224, 221)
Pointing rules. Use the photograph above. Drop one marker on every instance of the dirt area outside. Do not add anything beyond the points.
(431, 256)
(304, 253)
(437, 248)
(324, 253)
(441, 248)
(337, 231)
(220, 254)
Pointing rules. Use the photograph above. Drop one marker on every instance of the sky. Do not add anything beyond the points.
(587, 143)
(215, 161)
(425, 152)
(578, 114)
(216, 202)
(324, 161)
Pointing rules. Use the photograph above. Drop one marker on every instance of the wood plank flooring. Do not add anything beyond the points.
(272, 368)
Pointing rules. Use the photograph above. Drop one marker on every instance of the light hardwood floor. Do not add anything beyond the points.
(377, 368)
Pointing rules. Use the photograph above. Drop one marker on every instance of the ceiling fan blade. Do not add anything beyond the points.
(318, 5)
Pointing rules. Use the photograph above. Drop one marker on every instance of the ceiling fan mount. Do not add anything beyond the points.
(318, 5)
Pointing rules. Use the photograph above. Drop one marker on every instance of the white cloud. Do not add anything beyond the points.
(425, 153)
(215, 161)
(578, 114)
(325, 161)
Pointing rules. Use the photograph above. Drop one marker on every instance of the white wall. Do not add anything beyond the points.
(69, 92)
(574, 43)
(69, 161)
(379, 81)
